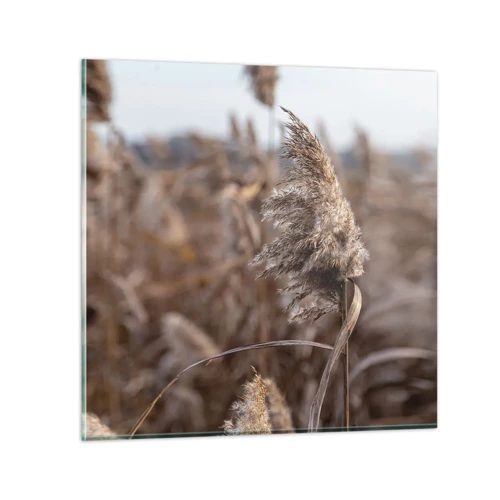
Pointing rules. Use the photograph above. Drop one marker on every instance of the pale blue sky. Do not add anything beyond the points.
(398, 108)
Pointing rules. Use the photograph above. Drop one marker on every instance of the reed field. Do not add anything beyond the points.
(314, 253)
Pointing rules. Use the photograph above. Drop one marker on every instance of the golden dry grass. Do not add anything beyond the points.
(168, 282)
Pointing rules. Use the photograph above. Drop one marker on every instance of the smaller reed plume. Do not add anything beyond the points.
(251, 411)
(99, 91)
(278, 409)
(263, 82)
(95, 428)
(320, 246)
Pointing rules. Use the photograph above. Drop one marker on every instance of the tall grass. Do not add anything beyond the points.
(169, 247)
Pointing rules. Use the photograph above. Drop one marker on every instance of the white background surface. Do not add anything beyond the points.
(42, 456)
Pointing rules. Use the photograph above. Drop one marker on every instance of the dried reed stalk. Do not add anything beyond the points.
(320, 248)
(251, 136)
(340, 344)
(366, 155)
(251, 347)
(346, 366)
(236, 135)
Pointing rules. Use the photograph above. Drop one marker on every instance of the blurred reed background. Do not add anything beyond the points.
(171, 228)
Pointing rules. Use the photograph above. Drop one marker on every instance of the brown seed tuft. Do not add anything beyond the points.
(320, 246)
(251, 411)
(278, 409)
(95, 428)
(263, 81)
(99, 91)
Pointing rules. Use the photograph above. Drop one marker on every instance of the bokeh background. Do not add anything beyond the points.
(179, 157)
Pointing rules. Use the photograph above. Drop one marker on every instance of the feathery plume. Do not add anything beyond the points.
(263, 81)
(95, 428)
(98, 91)
(278, 409)
(320, 247)
(251, 411)
(332, 153)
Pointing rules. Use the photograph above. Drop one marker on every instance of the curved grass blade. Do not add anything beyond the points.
(341, 340)
(385, 356)
(391, 354)
(264, 345)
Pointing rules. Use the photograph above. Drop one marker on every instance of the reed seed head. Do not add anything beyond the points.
(99, 91)
(320, 246)
(251, 410)
(95, 428)
(278, 409)
(263, 82)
